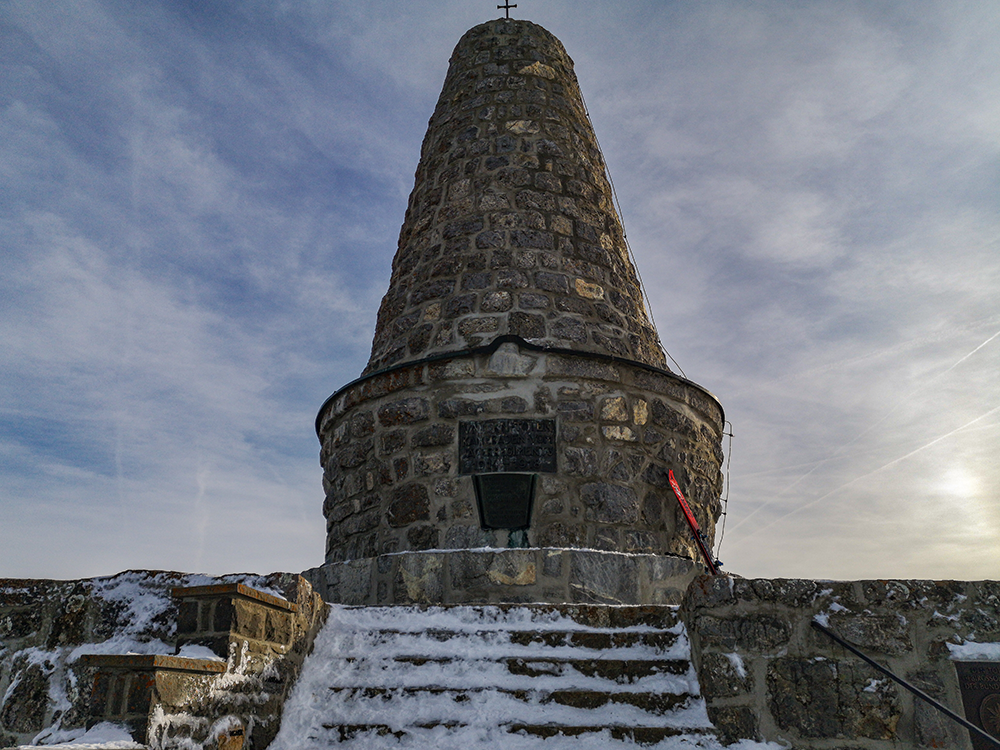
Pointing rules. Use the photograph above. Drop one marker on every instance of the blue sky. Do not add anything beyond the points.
(200, 205)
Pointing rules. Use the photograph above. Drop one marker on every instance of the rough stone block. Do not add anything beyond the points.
(249, 619)
(439, 434)
(278, 627)
(404, 411)
(26, 703)
(724, 675)
(222, 616)
(750, 632)
(419, 579)
(609, 503)
(187, 617)
(734, 723)
(409, 503)
(581, 462)
(423, 537)
(614, 409)
(560, 535)
(14, 625)
(526, 326)
(605, 579)
(886, 634)
(710, 591)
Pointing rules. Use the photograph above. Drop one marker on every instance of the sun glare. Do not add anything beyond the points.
(959, 482)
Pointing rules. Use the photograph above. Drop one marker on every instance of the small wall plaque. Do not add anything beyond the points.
(980, 684)
(494, 446)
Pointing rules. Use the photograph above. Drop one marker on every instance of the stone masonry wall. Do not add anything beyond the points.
(511, 226)
(48, 627)
(43, 623)
(486, 576)
(767, 674)
(390, 455)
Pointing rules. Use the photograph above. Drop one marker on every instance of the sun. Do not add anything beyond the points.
(959, 482)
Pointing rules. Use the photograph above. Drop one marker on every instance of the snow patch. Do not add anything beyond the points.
(972, 651)
(194, 651)
(103, 736)
(738, 665)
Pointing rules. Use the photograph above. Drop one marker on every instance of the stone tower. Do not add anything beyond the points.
(517, 396)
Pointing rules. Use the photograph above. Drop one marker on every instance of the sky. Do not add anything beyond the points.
(199, 205)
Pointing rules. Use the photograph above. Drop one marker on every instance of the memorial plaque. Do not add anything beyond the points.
(980, 684)
(505, 500)
(494, 446)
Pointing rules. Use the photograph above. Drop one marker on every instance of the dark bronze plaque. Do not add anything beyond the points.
(507, 445)
(980, 683)
(505, 500)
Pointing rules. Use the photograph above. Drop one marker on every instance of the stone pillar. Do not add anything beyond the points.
(514, 311)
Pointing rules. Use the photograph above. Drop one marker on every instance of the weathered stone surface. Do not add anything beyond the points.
(439, 434)
(609, 503)
(510, 194)
(25, 706)
(409, 503)
(751, 632)
(418, 579)
(404, 411)
(471, 571)
(18, 624)
(734, 723)
(886, 634)
(615, 409)
(607, 579)
(508, 361)
(724, 675)
(826, 698)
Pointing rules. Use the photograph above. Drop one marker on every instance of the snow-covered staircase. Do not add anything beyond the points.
(510, 675)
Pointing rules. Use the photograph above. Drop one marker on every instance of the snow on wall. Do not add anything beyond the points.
(46, 626)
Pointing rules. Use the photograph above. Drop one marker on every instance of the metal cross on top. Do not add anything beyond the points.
(507, 7)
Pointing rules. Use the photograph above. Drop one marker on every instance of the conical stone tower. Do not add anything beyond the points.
(510, 227)
(517, 397)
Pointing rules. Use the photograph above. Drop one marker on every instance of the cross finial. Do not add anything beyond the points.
(507, 7)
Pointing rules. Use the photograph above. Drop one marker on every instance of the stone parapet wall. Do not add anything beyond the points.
(42, 624)
(125, 687)
(766, 673)
(62, 647)
(264, 640)
(506, 576)
(391, 463)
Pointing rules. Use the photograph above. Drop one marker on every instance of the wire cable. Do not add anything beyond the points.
(725, 499)
(628, 247)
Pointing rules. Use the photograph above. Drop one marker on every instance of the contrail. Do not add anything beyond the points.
(840, 451)
(865, 476)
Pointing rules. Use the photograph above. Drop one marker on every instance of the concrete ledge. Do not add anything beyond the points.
(151, 662)
(493, 576)
(234, 590)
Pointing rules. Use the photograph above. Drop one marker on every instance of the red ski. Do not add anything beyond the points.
(699, 539)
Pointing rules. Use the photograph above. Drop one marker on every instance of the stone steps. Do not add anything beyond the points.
(633, 735)
(622, 671)
(654, 703)
(468, 676)
(573, 638)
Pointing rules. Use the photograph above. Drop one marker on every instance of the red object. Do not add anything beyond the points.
(693, 523)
